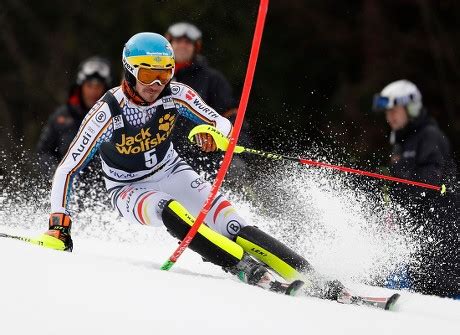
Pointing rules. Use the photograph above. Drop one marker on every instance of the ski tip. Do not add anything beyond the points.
(389, 306)
(294, 287)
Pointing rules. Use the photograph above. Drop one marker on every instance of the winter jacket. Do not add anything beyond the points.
(59, 131)
(421, 152)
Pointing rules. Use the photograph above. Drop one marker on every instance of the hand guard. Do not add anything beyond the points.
(205, 142)
(59, 227)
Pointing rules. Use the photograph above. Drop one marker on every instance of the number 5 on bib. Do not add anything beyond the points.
(150, 158)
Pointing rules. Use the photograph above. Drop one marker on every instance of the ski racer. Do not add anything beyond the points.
(130, 128)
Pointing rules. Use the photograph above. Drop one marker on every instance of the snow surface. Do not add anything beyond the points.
(115, 287)
(111, 283)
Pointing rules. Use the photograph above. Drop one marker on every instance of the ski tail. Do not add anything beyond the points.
(386, 303)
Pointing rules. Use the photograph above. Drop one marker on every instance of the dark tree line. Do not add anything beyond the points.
(320, 62)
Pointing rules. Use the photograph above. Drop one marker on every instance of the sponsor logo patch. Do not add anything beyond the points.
(121, 175)
(145, 140)
(197, 182)
(118, 122)
(168, 103)
(86, 139)
(201, 106)
(166, 122)
(233, 227)
(190, 95)
(101, 116)
(175, 89)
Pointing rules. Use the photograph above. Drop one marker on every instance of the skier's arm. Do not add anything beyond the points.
(90, 136)
(192, 106)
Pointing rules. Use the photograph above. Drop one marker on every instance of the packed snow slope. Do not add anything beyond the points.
(111, 283)
(116, 287)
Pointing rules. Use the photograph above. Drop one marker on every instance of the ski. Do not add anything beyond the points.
(386, 303)
(297, 288)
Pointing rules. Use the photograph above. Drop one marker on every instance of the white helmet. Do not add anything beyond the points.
(399, 93)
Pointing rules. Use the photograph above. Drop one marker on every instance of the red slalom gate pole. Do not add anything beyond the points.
(263, 7)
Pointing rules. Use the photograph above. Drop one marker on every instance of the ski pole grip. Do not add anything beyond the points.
(220, 139)
(443, 189)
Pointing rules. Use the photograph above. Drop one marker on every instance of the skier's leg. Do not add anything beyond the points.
(286, 262)
(191, 190)
(275, 254)
(220, 250)
(142, 203)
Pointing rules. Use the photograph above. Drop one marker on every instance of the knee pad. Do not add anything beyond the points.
(273, 253)
(211, 245)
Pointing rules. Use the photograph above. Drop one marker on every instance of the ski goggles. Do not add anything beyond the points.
(151, 76)
(93, 67)
(382, 103)
(184, 29)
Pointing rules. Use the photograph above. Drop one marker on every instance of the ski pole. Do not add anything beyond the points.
(222, 144)
(42, 241)
(263, 7)
(22, 238)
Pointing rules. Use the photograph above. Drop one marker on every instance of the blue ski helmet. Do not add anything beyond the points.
(147, 50)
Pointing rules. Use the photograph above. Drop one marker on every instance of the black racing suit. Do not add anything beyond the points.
(421, 152)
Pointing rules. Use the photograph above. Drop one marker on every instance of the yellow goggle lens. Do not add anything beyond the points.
(149, 76)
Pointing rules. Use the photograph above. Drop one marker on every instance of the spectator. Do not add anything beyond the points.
(193, 70)
(93, 79)
(421, 152)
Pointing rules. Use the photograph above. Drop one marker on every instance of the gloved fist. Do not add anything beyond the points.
(205, 142)
(59, 227)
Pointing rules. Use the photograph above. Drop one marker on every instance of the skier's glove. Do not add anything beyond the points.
(205, 142)
(59, 227)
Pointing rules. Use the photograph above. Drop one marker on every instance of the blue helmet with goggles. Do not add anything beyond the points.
(148, 58)
(399, 93)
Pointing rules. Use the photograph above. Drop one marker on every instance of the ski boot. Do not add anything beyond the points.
(251, 272)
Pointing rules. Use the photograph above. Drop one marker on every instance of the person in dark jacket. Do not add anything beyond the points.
(421, 152)
(93, 79)
(193, 70)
